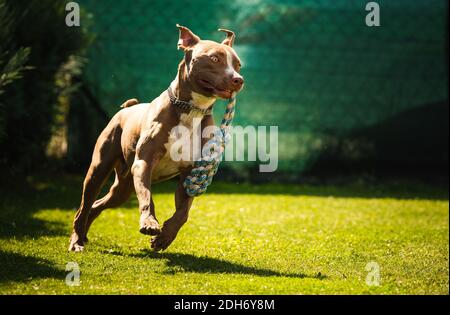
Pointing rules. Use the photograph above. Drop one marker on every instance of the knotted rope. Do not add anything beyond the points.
(206, 167)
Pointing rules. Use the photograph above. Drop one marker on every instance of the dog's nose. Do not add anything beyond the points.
(237, 81)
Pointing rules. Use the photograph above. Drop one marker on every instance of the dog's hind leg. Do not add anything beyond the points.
(106, 154)
(118, 194)
(95, 178)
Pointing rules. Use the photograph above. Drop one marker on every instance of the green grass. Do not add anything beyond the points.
(240, 239)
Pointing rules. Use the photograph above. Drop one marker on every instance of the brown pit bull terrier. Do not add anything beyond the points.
(136, 141)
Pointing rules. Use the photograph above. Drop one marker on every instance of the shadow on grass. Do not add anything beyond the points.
(20, 201)
(178, 262)
(390, 189)
(19, 205)
(351, 187)
(19, 268)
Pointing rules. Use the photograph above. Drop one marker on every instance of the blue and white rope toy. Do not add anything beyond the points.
(206, 167)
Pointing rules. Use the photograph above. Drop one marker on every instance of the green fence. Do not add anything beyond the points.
(338, 89)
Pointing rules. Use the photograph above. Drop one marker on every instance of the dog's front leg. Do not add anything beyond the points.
(142, 170)
(183, 201)
(171, 227)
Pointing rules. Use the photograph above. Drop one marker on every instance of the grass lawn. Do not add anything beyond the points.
(240, 239)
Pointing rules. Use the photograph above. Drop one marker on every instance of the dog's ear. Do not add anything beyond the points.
(230, 37)
(187, 38)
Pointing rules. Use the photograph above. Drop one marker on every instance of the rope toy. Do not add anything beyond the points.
(206, 167)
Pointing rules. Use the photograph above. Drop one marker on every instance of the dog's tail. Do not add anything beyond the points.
(129, 103)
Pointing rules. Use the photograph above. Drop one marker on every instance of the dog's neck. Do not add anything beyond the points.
(182, 89)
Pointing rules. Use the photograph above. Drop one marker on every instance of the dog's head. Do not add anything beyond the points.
(212, 68)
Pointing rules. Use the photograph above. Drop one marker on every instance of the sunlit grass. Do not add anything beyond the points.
(240, 239)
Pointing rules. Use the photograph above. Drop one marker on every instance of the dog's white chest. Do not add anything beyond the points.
(179, 148)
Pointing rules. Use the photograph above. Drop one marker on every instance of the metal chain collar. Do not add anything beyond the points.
(186, 106)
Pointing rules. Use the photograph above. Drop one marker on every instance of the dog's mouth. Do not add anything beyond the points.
(208, 86)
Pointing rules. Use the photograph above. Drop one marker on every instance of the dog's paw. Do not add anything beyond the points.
(149, 226)
(76, 248)
(161, 242)
(76, 245)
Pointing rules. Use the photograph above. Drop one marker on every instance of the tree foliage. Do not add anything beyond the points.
(35, 43)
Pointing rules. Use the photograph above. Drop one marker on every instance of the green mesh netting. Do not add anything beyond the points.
(313, 68)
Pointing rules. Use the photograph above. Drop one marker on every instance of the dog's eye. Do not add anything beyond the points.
(214, 58)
